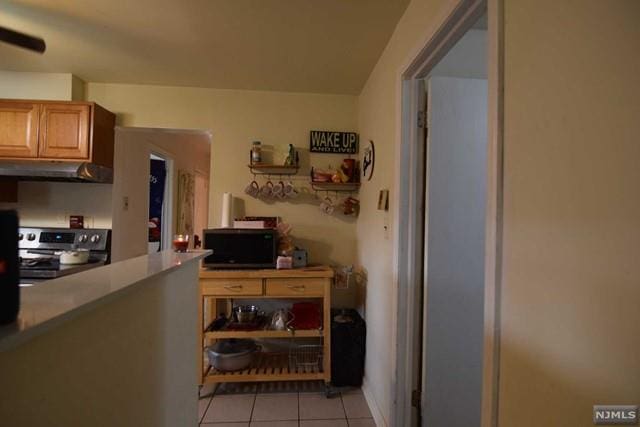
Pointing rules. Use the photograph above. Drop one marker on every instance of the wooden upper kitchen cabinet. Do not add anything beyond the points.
(19, 129)
(56, 130)
(64, 131)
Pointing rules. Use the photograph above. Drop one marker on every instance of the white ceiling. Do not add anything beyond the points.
(324, 46)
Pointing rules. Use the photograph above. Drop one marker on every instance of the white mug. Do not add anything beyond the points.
(327, 206)
(252, 189)
(290, 190)
(278, 190)
(267, 189)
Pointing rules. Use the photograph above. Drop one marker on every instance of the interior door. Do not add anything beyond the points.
(64, 131)
(18, 129)
(454, 253)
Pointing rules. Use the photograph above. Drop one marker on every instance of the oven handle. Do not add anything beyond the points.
(44, 252)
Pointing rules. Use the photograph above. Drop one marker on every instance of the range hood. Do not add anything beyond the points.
(39, 170)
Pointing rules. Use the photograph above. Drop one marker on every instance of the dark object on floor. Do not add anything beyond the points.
(348, 347)
(9, 278)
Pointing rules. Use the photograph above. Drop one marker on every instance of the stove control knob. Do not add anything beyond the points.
(20, 236)
(95, 238)
(83, 238)
(31, 237)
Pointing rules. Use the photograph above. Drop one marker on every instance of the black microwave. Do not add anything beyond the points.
(241, 248)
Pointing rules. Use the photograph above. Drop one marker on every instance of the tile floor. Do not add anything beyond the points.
(295, 404)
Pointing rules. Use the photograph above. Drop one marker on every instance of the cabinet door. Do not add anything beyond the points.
(18, 129)
(64, 131)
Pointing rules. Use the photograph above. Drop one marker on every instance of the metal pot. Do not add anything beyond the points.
(232, 354)
(246, 313)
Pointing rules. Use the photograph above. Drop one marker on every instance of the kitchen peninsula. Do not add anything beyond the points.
(119, 339)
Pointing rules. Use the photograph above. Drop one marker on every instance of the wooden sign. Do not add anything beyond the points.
(322, 141)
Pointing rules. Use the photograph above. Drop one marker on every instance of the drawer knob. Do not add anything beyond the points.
(300, 288)
(233, 287)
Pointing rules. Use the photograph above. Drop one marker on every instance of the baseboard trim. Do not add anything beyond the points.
(373, 405)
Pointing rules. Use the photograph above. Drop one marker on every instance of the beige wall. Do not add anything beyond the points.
(377, 113)
(570, 322)
(49, 204)
(570, 317)
(235, 118)
(189, 151)
(48, 86)
(128, 362)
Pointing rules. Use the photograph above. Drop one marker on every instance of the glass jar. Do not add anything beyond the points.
(256, 152)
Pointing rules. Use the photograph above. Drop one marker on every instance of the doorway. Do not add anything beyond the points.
(453, 286)
(160, 201)
(447, 249)
(184, 152)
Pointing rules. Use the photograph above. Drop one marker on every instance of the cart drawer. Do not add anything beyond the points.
(296, 287)
(230, 287)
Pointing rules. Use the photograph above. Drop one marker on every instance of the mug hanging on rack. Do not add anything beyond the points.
(278, 190)
(327, 206)
(253, 189)
(267, 189)
(351, 206)
(290, 190)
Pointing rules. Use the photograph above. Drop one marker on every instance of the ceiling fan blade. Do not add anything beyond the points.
(22, 40)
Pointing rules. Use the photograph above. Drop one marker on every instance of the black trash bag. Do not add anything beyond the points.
(348, 347)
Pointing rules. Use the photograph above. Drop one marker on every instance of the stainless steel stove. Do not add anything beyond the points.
(39, 249)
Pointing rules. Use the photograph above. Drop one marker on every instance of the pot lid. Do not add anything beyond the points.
(232, 346)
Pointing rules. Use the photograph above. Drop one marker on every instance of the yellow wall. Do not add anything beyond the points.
(570, 317)
(49, 204)
(377, 113)
(190, 152)
(49, 86)
(126, 361)
(235, 118)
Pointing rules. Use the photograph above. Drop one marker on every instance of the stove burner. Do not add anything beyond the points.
(41, 262)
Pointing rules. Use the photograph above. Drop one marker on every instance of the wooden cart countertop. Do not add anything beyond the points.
(321, 271)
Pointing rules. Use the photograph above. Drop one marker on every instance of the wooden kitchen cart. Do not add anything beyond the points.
(225, 286)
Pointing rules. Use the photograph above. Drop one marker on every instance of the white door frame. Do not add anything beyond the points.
(454, 22)
(167, 226)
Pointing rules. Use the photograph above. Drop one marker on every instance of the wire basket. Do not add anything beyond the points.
(306, 358)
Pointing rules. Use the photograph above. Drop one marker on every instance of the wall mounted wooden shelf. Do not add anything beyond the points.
(341, 187)
(269, 169)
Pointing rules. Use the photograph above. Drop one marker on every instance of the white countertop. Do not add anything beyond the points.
(55, 301)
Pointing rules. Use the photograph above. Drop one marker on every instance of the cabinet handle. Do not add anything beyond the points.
(233, 287)
(296, 287)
